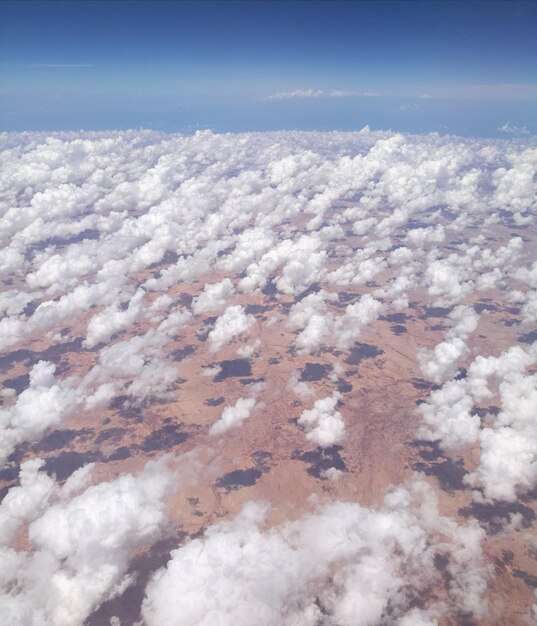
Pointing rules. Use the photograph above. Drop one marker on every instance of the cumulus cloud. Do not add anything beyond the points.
(323, 423)
(105, 324)
(241, 570)
(507, 464)
(233, 416)
(234, 321)
(441, 363)
(105, 233)
(81, 538)
(42, 405)
(214, 297)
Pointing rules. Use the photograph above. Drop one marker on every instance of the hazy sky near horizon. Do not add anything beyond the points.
(467, 68)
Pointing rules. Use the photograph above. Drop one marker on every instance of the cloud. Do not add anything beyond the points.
(323, 423)
(133, 242)
(233, 416)
(511, 129)
(234, 321)
(213, 297)
(42, 405)
(298, 93)
(80, 539)
(241, 570)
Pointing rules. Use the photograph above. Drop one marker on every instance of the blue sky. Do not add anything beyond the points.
(462, 67)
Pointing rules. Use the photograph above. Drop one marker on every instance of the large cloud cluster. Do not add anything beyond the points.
(124, 243)
(508, 444)
(80, 540)
(341, 564)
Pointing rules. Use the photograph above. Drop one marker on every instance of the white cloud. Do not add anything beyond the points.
(234, 321)
(298, 93)
(80, 544)
(240, 570)
(323, 423)
(42, 405)
(214, 297)
(233, 416)
(511, 129)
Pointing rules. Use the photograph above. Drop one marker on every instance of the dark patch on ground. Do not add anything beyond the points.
(235, 367)
(437, 311)
(483, 412)
(3, 493)
(214, 401)
(261, 458)
(431, 449)
(321, 459)
(7, 361)
(182, 353)
(344, 387)
(450, 473)
(528, 337)
(18, 384)
(480, 307)
(420, 383)
(120, 454)
(398, 329)
(10, 473)
(60, 439)
(206, 327)
(110, 434)
(125, 407)
(185, 299)
(413, 224)
(362, 351)
(255, 309)
(315, 371)
(170, 257)
(30, 308)
(128, 606)
(251, 381)
(526, 577)
(164, 438)
(67, 463)
(313, 288)
(273, 361)
(345, 297)
(270, 289)
(239, 478)
(394, 318)
(510, 323)
(53, 353)
(493, 517)
(462, 372)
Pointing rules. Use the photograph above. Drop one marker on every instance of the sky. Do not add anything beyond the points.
(467, 68)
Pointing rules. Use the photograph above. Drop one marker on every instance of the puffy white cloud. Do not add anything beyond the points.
(42, 405)
(240, 571)
(112, 320)
(234, 321)
(323, 423)
(214, 297)
(508, 444)
(357, 316)
(441, 363)
(233, 416)
(80, 544)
